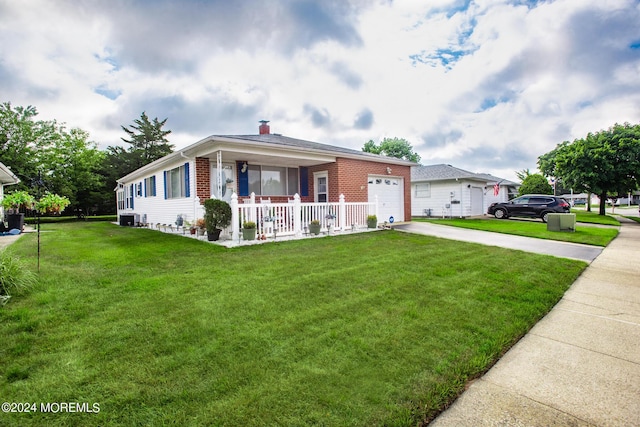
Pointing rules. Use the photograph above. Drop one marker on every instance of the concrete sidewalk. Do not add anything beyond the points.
(580, 365)
(548, 247)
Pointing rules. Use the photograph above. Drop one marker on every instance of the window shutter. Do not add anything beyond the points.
(153, 186)
(187, 189)
(145, 187)
(243, 180)
(132, 197)
(304, 181)
(166, 188)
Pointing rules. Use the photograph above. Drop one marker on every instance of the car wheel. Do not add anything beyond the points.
(500, 214)
(544, 217)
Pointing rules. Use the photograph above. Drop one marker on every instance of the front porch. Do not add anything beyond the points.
(285, 221)
(294, 217)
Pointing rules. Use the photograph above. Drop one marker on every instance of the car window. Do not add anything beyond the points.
(521, 200)
(539, 200)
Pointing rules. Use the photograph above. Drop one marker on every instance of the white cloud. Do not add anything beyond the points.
(485, 85)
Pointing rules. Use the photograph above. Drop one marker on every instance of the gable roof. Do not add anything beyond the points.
(281, 145)
(444, 172)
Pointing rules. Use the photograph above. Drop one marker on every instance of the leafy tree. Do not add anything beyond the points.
(523, 174)
(72, 168)
(392, 147)
(19, 140)
(44, 154)
(535, 183)
(148, 140)
(605, 163)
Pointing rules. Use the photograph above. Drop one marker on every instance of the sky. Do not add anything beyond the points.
(484, 85)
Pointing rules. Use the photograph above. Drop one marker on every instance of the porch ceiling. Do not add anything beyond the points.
(272, 159)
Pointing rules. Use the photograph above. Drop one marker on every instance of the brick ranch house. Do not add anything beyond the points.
(273, 167)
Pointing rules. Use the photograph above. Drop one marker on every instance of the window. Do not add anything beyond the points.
(423, 190)
(128, 196)
(150, 186)
(321, 187)
(176, 182)
(292, 181)
(273, 180)
(120, 196)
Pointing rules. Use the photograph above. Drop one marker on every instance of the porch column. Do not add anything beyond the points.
(235, 218)
(343, 213)
(297, 217)
(252, 215)
(219, 175)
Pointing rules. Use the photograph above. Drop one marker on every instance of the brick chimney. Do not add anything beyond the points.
(264, 127)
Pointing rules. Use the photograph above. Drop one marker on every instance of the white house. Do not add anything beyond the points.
(272, 167)
(446, 191)
(6, 178)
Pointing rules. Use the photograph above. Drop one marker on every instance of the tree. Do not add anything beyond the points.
(535, 183)
(392, 147)
(44, 155)
(148, 140)
(605, 163)
(72, 165)
(523, 174)
(19, 140)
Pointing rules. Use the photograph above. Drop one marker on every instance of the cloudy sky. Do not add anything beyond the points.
(484, 85)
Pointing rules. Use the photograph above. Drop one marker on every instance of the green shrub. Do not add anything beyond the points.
(14, 277)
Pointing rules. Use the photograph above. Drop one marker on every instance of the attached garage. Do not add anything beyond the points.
(390, 192)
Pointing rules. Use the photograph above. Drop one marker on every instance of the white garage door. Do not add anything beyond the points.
(390, 192)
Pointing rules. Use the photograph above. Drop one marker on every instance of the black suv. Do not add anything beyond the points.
(529, 205)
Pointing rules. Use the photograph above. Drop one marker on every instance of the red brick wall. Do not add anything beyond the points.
(350, 177)
(203, 179)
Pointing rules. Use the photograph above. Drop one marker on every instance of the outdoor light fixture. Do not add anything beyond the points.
(244, 167)
(388, 171)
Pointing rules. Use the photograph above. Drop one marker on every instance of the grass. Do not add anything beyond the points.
(589, 235)
(594, 218)
(58, 219)
(381, 328)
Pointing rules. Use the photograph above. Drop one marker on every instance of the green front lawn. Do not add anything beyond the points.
(381, 328)
(594, 218)
(590, 235)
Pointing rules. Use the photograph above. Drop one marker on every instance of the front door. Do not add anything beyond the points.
(321, 187)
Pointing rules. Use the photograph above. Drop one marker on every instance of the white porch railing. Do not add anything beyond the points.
(293, 218)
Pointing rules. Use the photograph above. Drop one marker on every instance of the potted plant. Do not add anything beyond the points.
(200, 226)
(217, 215)
(13, 202)
(52, 203)
(372, 221)
(314, 227)
(249, 230)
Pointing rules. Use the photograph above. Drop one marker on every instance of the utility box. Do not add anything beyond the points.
(129, 220)
(561, 222)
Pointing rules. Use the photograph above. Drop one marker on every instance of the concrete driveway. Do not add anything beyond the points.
(528, 244)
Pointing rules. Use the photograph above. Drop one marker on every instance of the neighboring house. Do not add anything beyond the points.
(6, 178)
(444, 190)
(273, 167)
